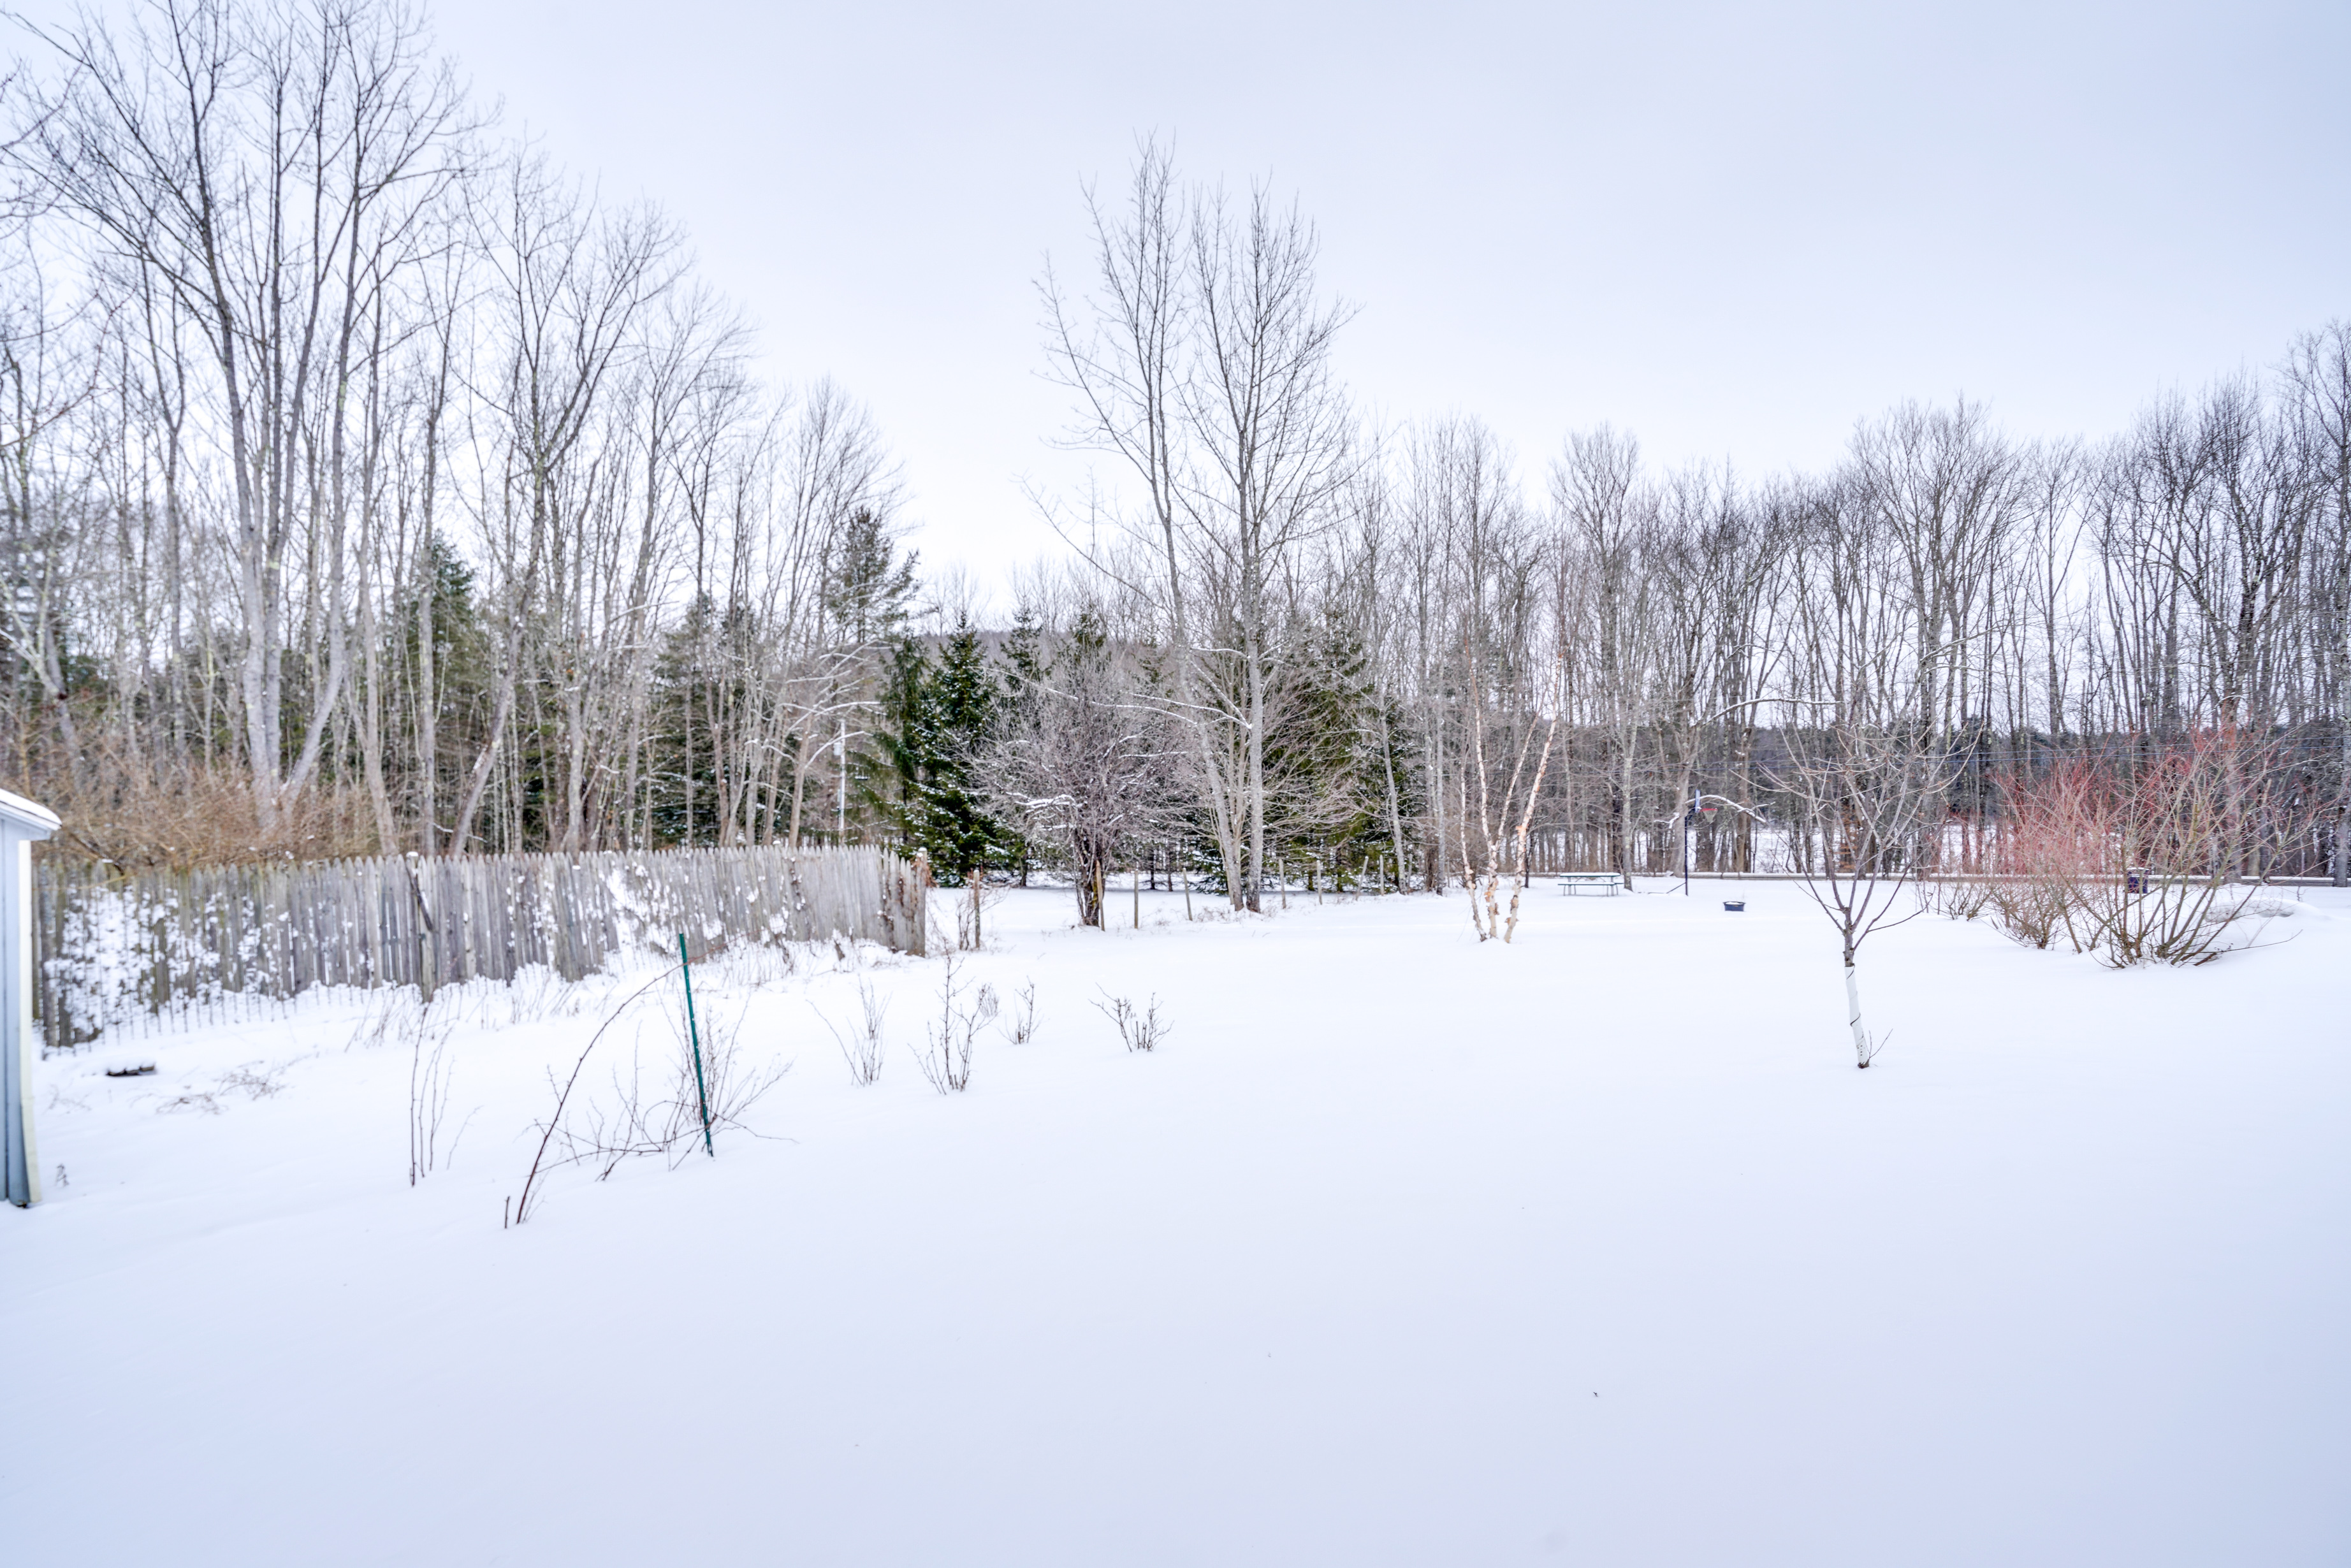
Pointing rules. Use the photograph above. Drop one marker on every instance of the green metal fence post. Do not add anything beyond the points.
(695, 1033)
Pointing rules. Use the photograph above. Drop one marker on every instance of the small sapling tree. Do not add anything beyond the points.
(1864, 796)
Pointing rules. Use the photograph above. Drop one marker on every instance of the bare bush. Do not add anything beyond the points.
(946, 1061)
(2177, 922)
(662, 1118)
(383, 1019)
(400, 1017)
(2053, 853)
(1019, 1026)
(971, 907)
(863, 1047)
(1959, 897)
(537, 993)
(430, 1073)
(761, 962)
(2030, 910)
(655, 1109)
(550, 1129)
(2189, 825)
(1141, 1028)
(254, 1080)
(124, 812)
(2142, 860)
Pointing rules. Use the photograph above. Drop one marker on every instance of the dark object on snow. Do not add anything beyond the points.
(1734, 905)
(141, 1070)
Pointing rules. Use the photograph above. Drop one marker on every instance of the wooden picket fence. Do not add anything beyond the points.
(162, 945)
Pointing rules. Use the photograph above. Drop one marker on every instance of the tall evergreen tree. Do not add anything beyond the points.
(963, 840)
(1326, 754)
(936, 717)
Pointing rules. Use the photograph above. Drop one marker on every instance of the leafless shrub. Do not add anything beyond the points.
(2033, 911)
(971, 904)
(946, 1062)
(761, 962)
(1141, 1029)
(2051, 856)
(253, 1080)
(664, 1120)
(2140, 863)
(549, 1128)
(2178, 921)
(401, 1017)
(655, 1109)
(430, 1073)
(1959, 897)
(733, 1085)
(383, 1018)
(1019, 1026)
(536, 993)
(864, 1048)
(123, 811)
(2188, 825)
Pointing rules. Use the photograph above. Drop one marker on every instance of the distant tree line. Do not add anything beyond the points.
(1367, 653)
(371, 484)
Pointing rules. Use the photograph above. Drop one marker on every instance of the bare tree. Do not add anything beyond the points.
(1863, 792)
(571, 287)
(1082, 763)
(1202, 361)
(1862, 784)
(272, 172)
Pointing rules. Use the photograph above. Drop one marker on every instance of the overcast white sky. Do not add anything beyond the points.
(1729, 228)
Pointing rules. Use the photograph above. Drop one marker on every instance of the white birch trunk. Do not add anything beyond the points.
(1861, 1047)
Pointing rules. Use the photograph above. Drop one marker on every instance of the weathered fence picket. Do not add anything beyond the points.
(180, 944)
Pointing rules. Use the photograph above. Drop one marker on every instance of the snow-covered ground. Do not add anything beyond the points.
(1401, 1250)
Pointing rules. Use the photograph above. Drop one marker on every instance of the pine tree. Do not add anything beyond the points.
(963, 839)
(1327, 755)
(896, 771)
(681, 767)
(1021, 684)
(936, 717)
(869, 592)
